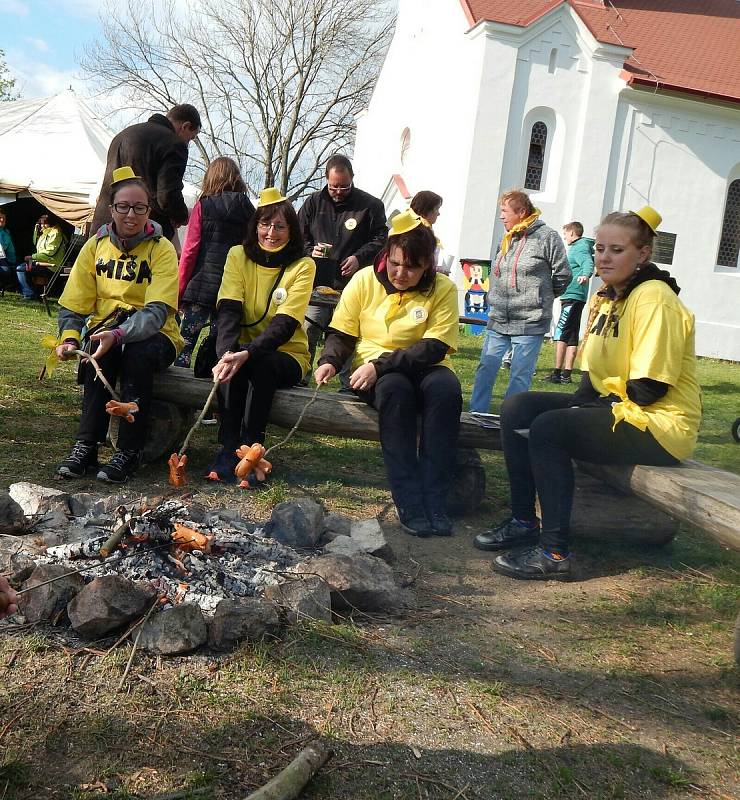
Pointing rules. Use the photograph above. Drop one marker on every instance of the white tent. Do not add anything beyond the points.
(54, 149)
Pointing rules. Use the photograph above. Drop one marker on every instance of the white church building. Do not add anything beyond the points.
(592, 106)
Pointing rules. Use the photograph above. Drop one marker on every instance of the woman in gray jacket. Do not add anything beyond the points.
(530, 271)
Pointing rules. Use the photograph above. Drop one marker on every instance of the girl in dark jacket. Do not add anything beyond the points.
(218, 222)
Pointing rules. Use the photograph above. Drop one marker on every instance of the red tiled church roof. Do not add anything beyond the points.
(686, 45)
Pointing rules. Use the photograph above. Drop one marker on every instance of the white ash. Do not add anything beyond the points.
(241, 562)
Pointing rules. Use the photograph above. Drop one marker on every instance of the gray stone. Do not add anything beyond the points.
(306, 598)
(108, 603)
(343, 546)
(176, 630)
(81, 503)
(35, 500)
(337, 524)
(246, 619)
(46, 602)
(368, 534)
(298, 523)
(53, 520)
(12, 518)
(362, 581)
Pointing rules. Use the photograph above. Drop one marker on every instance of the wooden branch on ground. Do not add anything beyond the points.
(289, 783)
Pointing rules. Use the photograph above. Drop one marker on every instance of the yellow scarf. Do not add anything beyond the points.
(518, 228)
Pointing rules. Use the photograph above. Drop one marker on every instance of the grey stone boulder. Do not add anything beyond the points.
(361, 581)
(335, 525)
(366, 536)
(12, 518)
(297, 523)
(305, 598)
(46, 602)
(245, 619)
(35, 500)
(176, 630)
(108, 603)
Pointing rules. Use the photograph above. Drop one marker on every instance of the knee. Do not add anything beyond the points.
(393, 387)
(518, 410)
(547, 428)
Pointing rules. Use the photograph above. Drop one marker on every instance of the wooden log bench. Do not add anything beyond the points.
(639, 503)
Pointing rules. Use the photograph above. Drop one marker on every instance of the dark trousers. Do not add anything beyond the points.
(134, 366)
(194, 319)
(419, 478)
(542, 464)
(266, 374)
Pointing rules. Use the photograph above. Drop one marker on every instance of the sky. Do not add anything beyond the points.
(43, 40)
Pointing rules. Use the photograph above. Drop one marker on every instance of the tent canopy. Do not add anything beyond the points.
(54, 148)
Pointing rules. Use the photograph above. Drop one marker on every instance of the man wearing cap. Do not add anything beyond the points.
(157, 150)
(343, 230)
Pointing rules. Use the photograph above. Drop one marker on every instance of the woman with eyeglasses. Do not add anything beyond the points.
(123, 289)
(260, 342)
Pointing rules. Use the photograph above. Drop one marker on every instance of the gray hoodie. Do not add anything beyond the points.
(524, 282)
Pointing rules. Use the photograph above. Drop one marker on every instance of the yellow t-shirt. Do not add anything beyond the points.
(104, 278)
(650, 335)
(385, 322)
(250, 284)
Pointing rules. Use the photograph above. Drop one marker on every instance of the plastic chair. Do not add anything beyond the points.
(62, 271)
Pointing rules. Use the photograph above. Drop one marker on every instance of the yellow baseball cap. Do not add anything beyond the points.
(649, 216)
(404, 222)
(269, 196)
(124, 174)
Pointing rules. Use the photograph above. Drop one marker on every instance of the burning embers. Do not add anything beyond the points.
(186, 561)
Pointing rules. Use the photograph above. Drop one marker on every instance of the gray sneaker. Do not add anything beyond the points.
(533, 564)
(510, 533)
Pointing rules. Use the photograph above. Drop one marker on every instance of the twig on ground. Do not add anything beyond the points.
(136, 644)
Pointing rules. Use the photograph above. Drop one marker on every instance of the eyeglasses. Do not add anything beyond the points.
(123, 208)
(338, 188)
(278, 227)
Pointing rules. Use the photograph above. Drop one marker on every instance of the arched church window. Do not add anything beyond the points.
(553, 60)
(536, 158)
(729, 243)
(405, 145)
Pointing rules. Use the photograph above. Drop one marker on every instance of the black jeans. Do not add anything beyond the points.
(266, 374)
(134, 365)
(542, 464)
(418, 479)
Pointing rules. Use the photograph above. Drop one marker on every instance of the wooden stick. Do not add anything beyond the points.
(297, 422)
(288, 784)
(136, 644)
(202, 414)
(99, 373)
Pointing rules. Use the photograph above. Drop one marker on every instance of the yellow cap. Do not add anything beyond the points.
(269, 196)
(650, 216)
(404, 222)
(124, 174)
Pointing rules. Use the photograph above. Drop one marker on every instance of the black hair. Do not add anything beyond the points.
(185, 113)
(425, 202)
(118, 185)
(294, 248)
(340, 163)
(417, 246)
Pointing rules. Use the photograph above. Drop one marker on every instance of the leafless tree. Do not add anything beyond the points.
(278, 82)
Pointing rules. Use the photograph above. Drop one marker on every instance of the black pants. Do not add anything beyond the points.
(266, 374)
(422, 478)
(134, 365)
(557, 434)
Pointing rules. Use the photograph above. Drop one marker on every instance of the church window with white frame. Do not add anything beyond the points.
(536, 157)
(729, 243)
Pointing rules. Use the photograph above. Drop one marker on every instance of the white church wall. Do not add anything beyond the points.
(678, 156)
(428, 84)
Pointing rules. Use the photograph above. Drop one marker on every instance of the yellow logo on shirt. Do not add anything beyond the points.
(350, 224)
(418, 314)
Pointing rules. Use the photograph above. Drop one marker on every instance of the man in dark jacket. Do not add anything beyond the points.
(157, 150)
(343, 230)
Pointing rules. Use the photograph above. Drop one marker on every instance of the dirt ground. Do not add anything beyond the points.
(618, 685)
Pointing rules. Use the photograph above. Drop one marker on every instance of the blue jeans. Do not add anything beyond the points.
(525, 352)
(28, 290)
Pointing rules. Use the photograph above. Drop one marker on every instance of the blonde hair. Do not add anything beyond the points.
(222, 175)
(642, 234)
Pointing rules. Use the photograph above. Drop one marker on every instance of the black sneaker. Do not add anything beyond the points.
(534, 564)
(223, 466)
(121, 467)
(441, 523)
(554, 377)
(84, 457)
(415, 522)
(510, 533)
(566, 379)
